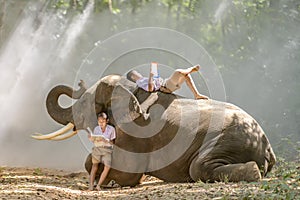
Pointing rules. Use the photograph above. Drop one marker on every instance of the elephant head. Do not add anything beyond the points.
(111, 90)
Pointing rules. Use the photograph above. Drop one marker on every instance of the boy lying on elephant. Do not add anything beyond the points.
(102, 137)
(168, 85)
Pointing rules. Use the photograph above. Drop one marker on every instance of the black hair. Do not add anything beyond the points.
(129, 75)
(102, 115)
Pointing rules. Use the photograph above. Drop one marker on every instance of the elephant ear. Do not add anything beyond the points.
(125, 107)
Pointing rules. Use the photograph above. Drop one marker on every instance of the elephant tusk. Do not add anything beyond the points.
(63, 137)
(61, 131)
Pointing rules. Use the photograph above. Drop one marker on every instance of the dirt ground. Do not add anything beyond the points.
(37, 183)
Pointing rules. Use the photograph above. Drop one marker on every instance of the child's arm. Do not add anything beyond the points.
(90, 137)
(112, 137)
(150, 83)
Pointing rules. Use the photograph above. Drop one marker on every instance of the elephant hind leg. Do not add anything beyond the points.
(238, 172)
(225, 172)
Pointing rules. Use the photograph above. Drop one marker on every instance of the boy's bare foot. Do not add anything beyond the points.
(195, 68)
(189, 70)
(98, 188)
(201, 97)
(91, 188)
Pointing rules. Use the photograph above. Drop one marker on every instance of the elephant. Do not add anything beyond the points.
(171, 137)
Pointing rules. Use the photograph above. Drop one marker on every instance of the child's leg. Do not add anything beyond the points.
(92, 175)
(190, 83)
(183, 75)
(103, 176)
(189, 70)
(179, 76)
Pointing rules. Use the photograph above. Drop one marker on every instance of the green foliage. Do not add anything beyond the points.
(252, 4)
(285, 180)
(66, 5)
(38, 171)
(287, 170)
(282, 183)
(101, 5)
(62, 4)
(250, 15)
(288, 148)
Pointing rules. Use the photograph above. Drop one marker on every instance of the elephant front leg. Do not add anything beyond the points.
(211, 171)
(121, 178)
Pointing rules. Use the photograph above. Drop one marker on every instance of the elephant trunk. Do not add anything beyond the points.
(58, 113)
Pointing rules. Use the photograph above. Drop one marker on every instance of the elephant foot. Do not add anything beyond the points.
(238, 172)
(231, 172)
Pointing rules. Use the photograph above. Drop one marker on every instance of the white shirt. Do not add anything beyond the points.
(109, 134)
(143, 83)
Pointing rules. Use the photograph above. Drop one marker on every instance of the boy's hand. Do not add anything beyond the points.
(102, 139)
(90, 137)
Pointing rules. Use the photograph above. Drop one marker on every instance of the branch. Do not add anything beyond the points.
(110, 6)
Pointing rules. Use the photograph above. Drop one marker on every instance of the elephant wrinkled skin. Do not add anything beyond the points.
(179, 139)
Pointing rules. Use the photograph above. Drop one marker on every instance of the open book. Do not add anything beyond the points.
(97, 135)
(154, 69)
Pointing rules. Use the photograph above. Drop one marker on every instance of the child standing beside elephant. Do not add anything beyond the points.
(102, 137)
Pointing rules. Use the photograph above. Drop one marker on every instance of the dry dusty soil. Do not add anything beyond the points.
(37, 183)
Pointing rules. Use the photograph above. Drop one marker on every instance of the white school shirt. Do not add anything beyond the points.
(143, 83)
(109, 133)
